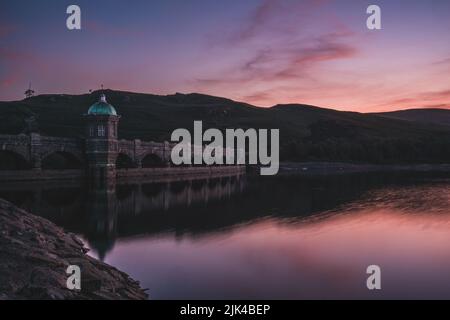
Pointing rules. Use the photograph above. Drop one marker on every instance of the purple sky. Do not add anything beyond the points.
(262, 52)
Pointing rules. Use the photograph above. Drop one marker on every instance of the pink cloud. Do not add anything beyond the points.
(287, 65)
(431, 99)
(280, 54)
(277, 15)
(276, 50)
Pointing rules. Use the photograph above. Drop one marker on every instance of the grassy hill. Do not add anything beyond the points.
(307, 133)
(431, 116)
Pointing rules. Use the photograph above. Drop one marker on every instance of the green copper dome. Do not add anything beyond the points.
(102, 107)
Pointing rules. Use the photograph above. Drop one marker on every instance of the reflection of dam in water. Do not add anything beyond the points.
(147, 197)
(191, 208)
(118, 210)
(139, 208)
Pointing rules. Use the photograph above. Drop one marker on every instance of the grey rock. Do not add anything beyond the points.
(34, 256)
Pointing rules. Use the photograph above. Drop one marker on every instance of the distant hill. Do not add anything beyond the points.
(432, 116)
(308, 133)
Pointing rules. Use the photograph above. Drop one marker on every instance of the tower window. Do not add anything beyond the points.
(101, 130)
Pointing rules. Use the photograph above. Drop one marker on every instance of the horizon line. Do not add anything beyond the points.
(221, 97)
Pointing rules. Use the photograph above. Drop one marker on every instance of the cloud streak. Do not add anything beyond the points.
(276, 49)
(430, 99)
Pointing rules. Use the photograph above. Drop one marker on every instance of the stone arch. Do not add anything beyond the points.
(11, 160)
(59, 160)
(152, 160)
(124, 161)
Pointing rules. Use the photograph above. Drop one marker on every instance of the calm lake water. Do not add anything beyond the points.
(240, 238)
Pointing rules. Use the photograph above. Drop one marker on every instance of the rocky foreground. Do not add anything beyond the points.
(34, 256)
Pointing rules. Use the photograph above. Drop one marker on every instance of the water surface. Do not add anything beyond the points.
(238, 238)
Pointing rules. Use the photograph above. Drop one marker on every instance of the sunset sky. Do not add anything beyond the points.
(263, 52)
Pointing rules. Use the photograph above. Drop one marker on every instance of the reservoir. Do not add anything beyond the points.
(262, 238)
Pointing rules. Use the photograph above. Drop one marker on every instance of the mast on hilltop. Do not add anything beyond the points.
(29, 93)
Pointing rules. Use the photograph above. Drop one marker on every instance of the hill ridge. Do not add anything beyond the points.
(307, 133)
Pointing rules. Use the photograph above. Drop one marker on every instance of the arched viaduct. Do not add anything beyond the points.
(35, 156)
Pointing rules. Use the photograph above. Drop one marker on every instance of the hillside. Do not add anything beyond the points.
(432, 116)
(308, 133)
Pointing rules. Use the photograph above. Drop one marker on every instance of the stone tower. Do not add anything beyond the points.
(101, 140)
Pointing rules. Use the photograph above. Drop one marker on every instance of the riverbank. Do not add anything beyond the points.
(34, 256)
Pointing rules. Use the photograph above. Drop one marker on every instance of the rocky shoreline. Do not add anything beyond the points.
(35, 254)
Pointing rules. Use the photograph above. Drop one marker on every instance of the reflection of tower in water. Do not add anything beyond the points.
(102, 219)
